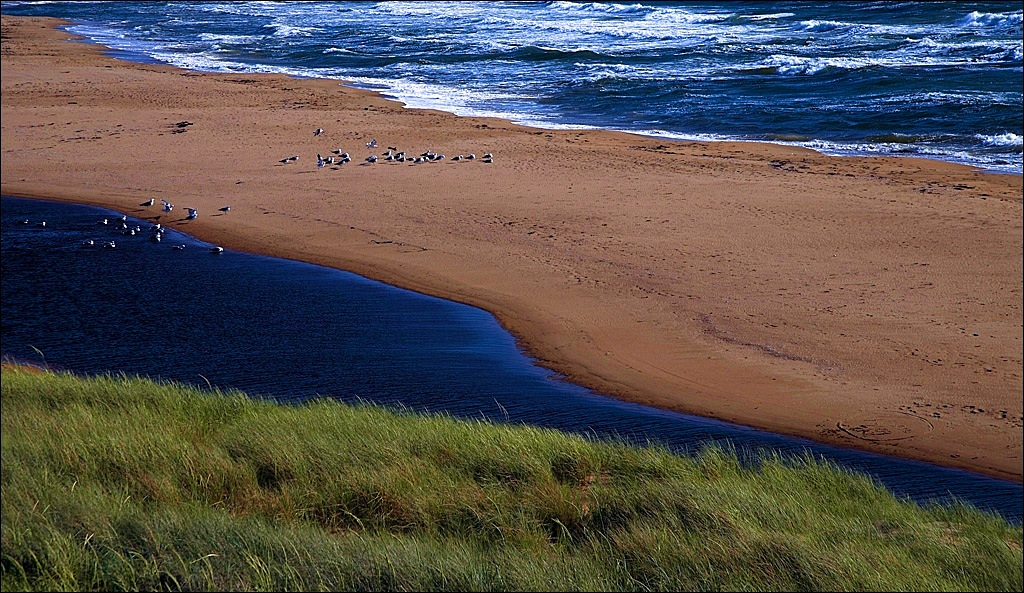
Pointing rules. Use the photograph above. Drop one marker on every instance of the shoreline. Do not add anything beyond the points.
(713, 279)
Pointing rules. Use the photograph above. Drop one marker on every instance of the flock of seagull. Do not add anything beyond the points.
(156, 230)
(340, 157)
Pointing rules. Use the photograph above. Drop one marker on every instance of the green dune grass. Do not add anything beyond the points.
(122, 484)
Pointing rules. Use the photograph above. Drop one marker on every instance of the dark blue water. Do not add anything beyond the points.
(932, 79)
(291, 331)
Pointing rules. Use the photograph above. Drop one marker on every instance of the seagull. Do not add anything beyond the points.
(372, 144)
(488, 156)
(285, 160)
(88, 243)
(225, 209)
(110, 244)
(217, 249)
(318, 131)
(372, 158)
(457, 158)
(178, 247)
(167, 206)
(470, 156)
(192, 214)
(147, 203)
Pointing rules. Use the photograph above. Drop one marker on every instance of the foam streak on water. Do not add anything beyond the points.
(940, 80)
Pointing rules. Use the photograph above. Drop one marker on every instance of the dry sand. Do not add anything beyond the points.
(873, 303)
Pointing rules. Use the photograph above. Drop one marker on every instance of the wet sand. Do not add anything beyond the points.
(872, 303)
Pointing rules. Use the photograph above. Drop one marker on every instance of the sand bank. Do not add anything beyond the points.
(873, 303)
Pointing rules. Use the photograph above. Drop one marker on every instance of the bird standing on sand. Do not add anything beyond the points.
(318, 131)
(148, 203)
(192, 214)
(225, 209)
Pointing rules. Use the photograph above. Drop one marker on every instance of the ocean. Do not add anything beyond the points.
(939, 80)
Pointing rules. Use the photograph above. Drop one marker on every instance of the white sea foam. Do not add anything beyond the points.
(999, 20)
(767, 17)
(284, 30)
(220, 38)
(1004, 139)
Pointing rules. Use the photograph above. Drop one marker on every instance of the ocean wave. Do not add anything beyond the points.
(802, 66)
(460, 101)
(1004, 139)
(996, 20)
(223, 38)
(999, 163)
(822, 26)
(602, 8)
(987, 50)
(766, 17)
(284, 30)
(535, 53)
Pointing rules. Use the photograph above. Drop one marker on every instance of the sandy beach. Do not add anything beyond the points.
(872, 303)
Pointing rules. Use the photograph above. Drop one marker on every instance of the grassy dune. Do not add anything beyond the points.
(119, 483)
